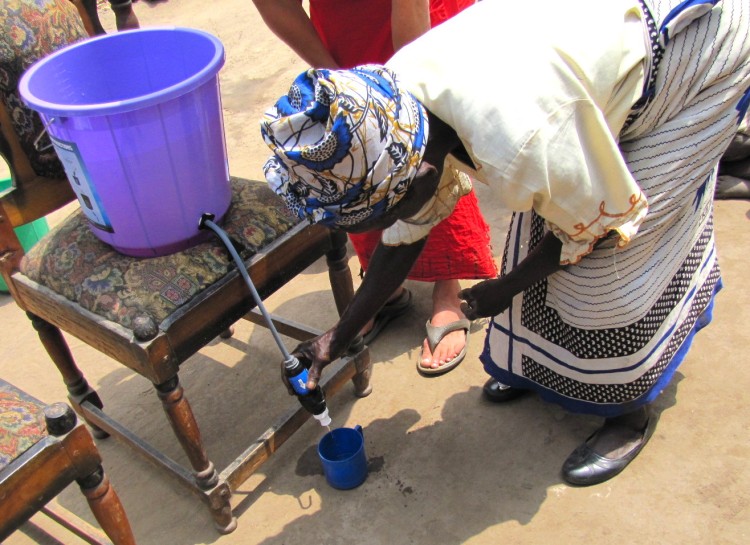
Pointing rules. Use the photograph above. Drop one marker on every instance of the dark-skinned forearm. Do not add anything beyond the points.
(290, 22)
(493, 297)
(541, 262)
(387, 270)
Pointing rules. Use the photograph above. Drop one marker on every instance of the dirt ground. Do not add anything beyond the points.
(446, 467)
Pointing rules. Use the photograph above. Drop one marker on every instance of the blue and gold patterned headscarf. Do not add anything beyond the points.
(346, 144)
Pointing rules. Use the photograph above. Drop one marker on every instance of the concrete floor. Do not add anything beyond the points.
(446, 467)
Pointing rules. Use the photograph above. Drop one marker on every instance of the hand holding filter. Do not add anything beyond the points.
(312, 400)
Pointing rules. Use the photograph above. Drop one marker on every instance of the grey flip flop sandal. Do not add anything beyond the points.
(434, 336)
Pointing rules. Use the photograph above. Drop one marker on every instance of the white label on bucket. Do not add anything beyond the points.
(79, 179)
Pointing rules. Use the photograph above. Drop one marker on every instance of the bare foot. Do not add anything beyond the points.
(446, 308)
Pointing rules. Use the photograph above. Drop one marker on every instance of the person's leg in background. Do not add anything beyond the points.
(440, 264)
(734, 167)
(125, 18)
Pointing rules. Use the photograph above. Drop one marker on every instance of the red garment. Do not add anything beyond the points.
(354, 31)
(359, 32)
(458, 247)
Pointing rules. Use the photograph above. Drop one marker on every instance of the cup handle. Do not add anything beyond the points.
(359, 429)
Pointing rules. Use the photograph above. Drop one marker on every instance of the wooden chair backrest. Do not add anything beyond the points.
(31, 197)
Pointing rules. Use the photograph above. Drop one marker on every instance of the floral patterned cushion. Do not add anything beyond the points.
(139, 293)
(21, 422)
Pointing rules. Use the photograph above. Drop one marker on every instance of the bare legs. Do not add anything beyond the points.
(125, 18)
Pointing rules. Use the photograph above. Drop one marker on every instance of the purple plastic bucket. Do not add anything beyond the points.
(136, 119)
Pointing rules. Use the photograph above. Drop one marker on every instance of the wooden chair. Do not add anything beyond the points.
(151, 315)
(43, 449)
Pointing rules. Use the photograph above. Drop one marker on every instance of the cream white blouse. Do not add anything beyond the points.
(537, 92)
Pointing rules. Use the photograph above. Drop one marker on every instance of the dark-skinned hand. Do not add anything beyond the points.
(315, 354)
(485, 299)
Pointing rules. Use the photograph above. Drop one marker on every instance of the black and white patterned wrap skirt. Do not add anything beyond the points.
(605, 336)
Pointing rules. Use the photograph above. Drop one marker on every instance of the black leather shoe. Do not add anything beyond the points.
(584, 467)
(497, 392)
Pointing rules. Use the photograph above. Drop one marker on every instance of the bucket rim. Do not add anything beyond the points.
(48, 108)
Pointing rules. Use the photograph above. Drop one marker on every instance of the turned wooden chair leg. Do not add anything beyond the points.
(107, 508)
(102, 498)
(221, 510)
(186, 429)
(58, 350)
(363, 368)
(343, 291)
(338, 271)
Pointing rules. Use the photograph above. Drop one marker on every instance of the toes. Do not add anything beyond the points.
(447, 350)
(449, 347)
(427, 355)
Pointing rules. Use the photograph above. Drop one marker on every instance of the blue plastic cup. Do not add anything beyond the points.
(342, 452)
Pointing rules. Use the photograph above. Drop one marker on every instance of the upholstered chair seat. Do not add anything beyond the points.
(141, 293)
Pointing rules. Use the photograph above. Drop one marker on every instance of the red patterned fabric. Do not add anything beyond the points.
(459, 247)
